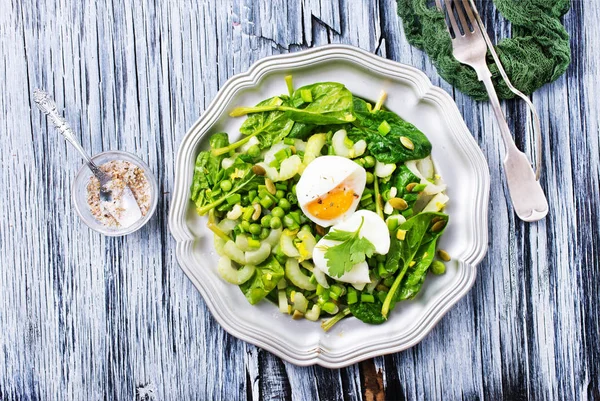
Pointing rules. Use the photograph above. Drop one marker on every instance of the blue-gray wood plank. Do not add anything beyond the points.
(88, 317)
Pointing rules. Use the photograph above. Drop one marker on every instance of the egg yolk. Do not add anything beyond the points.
(333, 204)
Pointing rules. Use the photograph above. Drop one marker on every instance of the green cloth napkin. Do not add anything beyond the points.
(537, 53)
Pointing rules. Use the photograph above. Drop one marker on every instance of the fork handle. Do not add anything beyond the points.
(526, 193)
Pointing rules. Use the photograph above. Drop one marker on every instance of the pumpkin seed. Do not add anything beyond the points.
(270, 186)
(257, 211)
(410, 186)
(438, 226)
(398, 203)
(258, 170)
(407, 143)
(320, 230)
(444, 255)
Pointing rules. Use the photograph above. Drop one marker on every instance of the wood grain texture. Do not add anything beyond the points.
(88, 317)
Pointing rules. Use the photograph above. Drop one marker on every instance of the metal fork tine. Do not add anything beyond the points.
(453, 21)
(470, 14)
(461, 16)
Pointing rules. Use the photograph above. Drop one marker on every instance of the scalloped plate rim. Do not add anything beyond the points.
(425, 89)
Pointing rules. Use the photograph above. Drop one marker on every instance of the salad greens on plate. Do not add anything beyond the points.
(328, 205)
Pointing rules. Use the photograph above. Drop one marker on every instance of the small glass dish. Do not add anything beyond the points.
(79, 193)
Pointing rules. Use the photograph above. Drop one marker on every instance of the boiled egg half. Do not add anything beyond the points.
(330, 188)
(373, 229)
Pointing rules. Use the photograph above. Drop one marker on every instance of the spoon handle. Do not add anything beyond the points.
(45, 103)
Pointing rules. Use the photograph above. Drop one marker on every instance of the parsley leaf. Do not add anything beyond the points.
(351, 250)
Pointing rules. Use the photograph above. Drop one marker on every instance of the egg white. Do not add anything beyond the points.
(324, 174)
(373, 229)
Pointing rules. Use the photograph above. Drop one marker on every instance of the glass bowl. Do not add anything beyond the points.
(79, 193)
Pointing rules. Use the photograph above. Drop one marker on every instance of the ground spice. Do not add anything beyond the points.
(123, 174)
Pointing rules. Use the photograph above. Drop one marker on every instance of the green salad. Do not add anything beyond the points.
(329, 206)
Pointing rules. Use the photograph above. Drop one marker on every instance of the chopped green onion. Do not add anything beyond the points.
(392, 224)
(384, 128)
(253, 243)
(320, 289)
(281, 186)
(266, 202)
(419, 187)
(408, 213)
(288, 141)
(233, 199)
(330, 308)
(352, 296)
(283, 154)
(289, 84)
(296, 216)
(252, 194)
(306, 95)
(248, 212)
(369, 298)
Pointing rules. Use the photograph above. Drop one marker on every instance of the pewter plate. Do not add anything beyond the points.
(457, 157)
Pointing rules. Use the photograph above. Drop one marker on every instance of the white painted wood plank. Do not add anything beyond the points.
(90, 317)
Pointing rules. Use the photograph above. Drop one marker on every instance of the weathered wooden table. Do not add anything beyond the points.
(85, 317)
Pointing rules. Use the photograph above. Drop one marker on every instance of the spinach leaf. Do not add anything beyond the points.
(264, 280)
(269, 127)
(301, 130)
(387, 148)
(368, 312)
(330, 103)
(419, 238)
(207, 170)
(401, 178)
(415, 276)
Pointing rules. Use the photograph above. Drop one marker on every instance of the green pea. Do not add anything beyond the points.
(279, 194)
(245, 225)
(254, 151)
(370, 177)
(275, 222)
(266, 221)
(284, 204)
(264, 233)
(438, 267)
(277, 212)
(255, 229)
(369, 161)
(226, 185)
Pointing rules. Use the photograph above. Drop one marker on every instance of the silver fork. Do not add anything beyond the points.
(469, 47)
